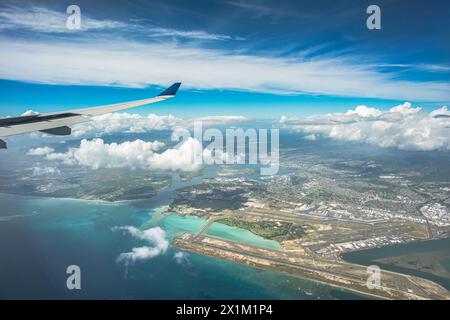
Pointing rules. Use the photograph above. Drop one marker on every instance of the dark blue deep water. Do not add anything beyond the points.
(40, 237)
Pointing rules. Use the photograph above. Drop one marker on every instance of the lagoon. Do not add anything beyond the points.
(40, 237)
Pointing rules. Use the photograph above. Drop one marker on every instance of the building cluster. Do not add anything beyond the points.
(337, 248)
(436, 214)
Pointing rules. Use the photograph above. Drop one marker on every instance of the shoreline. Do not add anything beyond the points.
(346, 276)
(276, 269)
(100, 201)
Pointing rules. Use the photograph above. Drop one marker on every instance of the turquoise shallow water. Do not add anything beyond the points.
(240, 235)
(176, 225)
(40, 237)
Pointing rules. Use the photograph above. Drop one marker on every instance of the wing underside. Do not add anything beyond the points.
(59, 123)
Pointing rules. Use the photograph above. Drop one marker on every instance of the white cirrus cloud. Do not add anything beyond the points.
(402, 126)
(40, 19)
(156, 237)
(192, 34)
(47, 21)
(134, 64)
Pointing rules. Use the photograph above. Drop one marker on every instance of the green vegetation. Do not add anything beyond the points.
(210, 197)
(326, 196)
(297, 180)
(110, 186)
(278, 231)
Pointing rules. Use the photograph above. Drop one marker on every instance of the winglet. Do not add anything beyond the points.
(171, 91)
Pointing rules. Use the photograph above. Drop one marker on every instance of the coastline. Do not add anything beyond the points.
(327, 272)
(277, 269)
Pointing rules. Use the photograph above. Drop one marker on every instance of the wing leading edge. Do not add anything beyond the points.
(59, 123)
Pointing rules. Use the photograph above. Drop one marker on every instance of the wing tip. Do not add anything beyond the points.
(171, 91)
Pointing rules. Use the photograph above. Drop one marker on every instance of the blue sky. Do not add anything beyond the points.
(254, 58)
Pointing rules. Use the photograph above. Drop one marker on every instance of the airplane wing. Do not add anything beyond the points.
(59, 123)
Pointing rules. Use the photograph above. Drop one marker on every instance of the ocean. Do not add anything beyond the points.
(40, 237)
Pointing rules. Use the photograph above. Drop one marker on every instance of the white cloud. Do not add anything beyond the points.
(43, 20)
(81, 60)
(135, 123)
(133, 64)
(97, 154)
(40, 151)
(181, 258)
(405, 108)
(39, 19)
(364, 111)
(181, 158)
(201, 35)
(41, 171)
(311, 137)
(186, 156)
(441, 112)
(420, 67)
(402, 126)
(125, 122)
(154, 236)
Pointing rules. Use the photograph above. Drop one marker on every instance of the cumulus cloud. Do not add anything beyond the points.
(97, 154)
(181, 158)
(42, 151)
(136, 123)
(135, 154)
(441, 113)
(401, 126)
(125, 122)
(156, 237)
(364, 111)
(181, 258)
